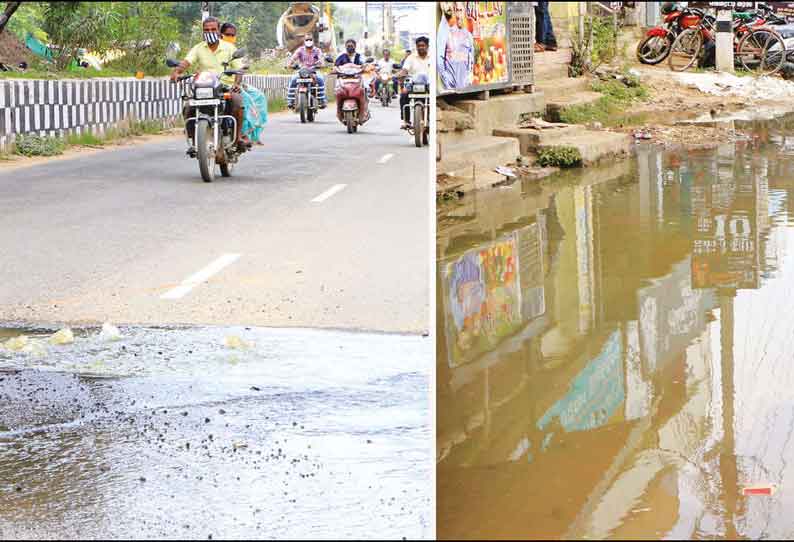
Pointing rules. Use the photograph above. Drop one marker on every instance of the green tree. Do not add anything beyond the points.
(73, 26)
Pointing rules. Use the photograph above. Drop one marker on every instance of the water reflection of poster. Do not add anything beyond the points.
(530, 250)
(595, 394)
(472, 45)
(482, 299)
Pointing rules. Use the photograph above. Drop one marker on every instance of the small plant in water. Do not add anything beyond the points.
(563, 157)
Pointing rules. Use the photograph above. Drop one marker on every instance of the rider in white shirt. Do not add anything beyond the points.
(385, 65)
(413, 65)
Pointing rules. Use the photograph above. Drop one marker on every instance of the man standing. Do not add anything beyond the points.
(413, 66)
(544, 33)
(210, 56)
(306, 56)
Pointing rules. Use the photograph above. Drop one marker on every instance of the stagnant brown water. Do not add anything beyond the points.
(616, 349)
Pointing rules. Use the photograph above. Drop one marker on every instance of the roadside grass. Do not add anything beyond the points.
(276, 104)
(611, 107)
(82, 74)
(35, 145)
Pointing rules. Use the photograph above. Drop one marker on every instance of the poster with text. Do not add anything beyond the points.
(472, 46)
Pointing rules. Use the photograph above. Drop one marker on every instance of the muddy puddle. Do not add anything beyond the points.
(186, 433)
(615, 349)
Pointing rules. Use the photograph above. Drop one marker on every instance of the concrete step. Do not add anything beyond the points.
(552, 64)
(477, 155)
(501, 110)
(594, 145)
(555, 106)
(563, 86)
(530, 139)
(454, 138)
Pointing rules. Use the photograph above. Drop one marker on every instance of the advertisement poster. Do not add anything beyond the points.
(472, 46)
(482, 299)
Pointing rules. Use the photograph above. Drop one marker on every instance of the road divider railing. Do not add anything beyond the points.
(80, 107)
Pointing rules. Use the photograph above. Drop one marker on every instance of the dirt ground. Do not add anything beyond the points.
(677, 114)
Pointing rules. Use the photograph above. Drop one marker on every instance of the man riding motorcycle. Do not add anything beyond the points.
(210, 56)
(413, 65)
(385, 65)
(310, 57)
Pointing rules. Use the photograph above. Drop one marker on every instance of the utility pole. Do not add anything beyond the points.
(724, 40)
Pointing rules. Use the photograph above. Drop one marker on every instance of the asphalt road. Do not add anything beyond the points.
(105, 236)
(166, 433)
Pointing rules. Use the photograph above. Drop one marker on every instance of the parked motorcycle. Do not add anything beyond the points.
(658, 41)
(419, 105)
(352, 107)
(211, 133)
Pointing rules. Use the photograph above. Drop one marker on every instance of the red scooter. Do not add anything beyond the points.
(352, 104)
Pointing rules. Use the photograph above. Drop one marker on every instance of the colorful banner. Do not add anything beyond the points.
(482, 299)
(472, 46)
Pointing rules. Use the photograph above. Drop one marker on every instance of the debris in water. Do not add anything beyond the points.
(109, 332)
(760, 489)
(63, 336)
(236, 343)
(16, 344)
(506, 171)
(642, 135)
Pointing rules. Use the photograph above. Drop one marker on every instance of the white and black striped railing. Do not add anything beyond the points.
(56, 108)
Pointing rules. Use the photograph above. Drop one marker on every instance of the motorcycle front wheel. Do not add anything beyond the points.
(206, 154)
(654, 49)
(302, 106)
(419, 117)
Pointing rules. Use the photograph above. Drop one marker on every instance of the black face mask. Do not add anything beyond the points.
(351, 50)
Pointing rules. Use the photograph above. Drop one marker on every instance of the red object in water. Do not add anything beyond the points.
(759, 490)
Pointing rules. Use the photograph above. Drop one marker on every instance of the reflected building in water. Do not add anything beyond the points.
(585, 347)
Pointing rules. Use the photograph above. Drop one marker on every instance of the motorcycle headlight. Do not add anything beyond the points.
(204, 93)
(418, 87)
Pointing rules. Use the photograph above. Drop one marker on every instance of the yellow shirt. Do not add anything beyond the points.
(202, 58)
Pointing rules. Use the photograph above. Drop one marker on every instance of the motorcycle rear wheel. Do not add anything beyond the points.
(686, 50)
(419, 118)
(206, 155)
(654, 49)
(350, 122)
(227, 168)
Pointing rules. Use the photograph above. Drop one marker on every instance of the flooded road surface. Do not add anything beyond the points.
(170, 433)
(616, 349)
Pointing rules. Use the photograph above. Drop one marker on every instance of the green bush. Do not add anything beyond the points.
(34, 145)
(564, 157)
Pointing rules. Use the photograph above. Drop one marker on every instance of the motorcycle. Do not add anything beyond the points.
(352, 107)
(211, 134)
(386, 92)
(307, 99)
(418, 105)
(307, 92)
(658, 41)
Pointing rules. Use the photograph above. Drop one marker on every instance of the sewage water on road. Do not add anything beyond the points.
(615, 350)
(190, 433)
